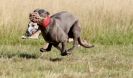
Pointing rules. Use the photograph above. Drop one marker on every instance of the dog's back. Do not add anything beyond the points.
(65, 19)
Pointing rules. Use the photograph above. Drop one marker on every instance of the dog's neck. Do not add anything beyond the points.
(46, 21)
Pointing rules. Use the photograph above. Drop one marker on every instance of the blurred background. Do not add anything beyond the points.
(102, 21)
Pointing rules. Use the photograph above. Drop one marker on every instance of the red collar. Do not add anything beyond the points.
(46, 22)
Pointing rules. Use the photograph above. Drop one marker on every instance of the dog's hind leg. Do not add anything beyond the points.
(46, 49)
(75, 44)
(63, 49)
(58, 46)
(76, 33)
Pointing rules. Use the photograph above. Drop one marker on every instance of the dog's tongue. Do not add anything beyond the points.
(46, 22)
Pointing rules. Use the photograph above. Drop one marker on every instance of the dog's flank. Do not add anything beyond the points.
(62, 26)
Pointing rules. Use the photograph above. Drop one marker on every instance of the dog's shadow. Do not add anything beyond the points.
(34, 56)
(20, 55)
(56, 59)
(28, 56)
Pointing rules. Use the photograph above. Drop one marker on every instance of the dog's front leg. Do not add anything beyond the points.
(48, 45)
(58, 46)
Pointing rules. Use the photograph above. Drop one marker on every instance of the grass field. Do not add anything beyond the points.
(108, 24)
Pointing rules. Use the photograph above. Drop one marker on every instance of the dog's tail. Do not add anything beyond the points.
(84, 43)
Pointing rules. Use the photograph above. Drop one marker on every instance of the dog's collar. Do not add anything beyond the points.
(46, 21)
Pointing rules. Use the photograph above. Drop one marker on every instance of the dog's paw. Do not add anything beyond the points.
(64, 54)
(42, 50)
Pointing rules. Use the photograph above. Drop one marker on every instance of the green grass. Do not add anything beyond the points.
(103, 61)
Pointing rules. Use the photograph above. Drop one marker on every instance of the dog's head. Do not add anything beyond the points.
(42, 12)
(37, 15)
(34, 18)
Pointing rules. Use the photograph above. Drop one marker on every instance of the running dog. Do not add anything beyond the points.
(57, 29)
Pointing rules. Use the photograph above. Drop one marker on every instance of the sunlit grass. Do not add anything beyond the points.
(102, 62)
(99, 19)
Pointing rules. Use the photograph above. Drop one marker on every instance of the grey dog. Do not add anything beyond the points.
(57, 29)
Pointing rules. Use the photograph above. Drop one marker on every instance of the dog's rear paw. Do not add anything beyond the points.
(65, 53)
(42, 50)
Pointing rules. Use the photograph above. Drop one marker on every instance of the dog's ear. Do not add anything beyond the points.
(30, 14)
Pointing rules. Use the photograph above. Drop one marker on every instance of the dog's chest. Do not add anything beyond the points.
(54, 34)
